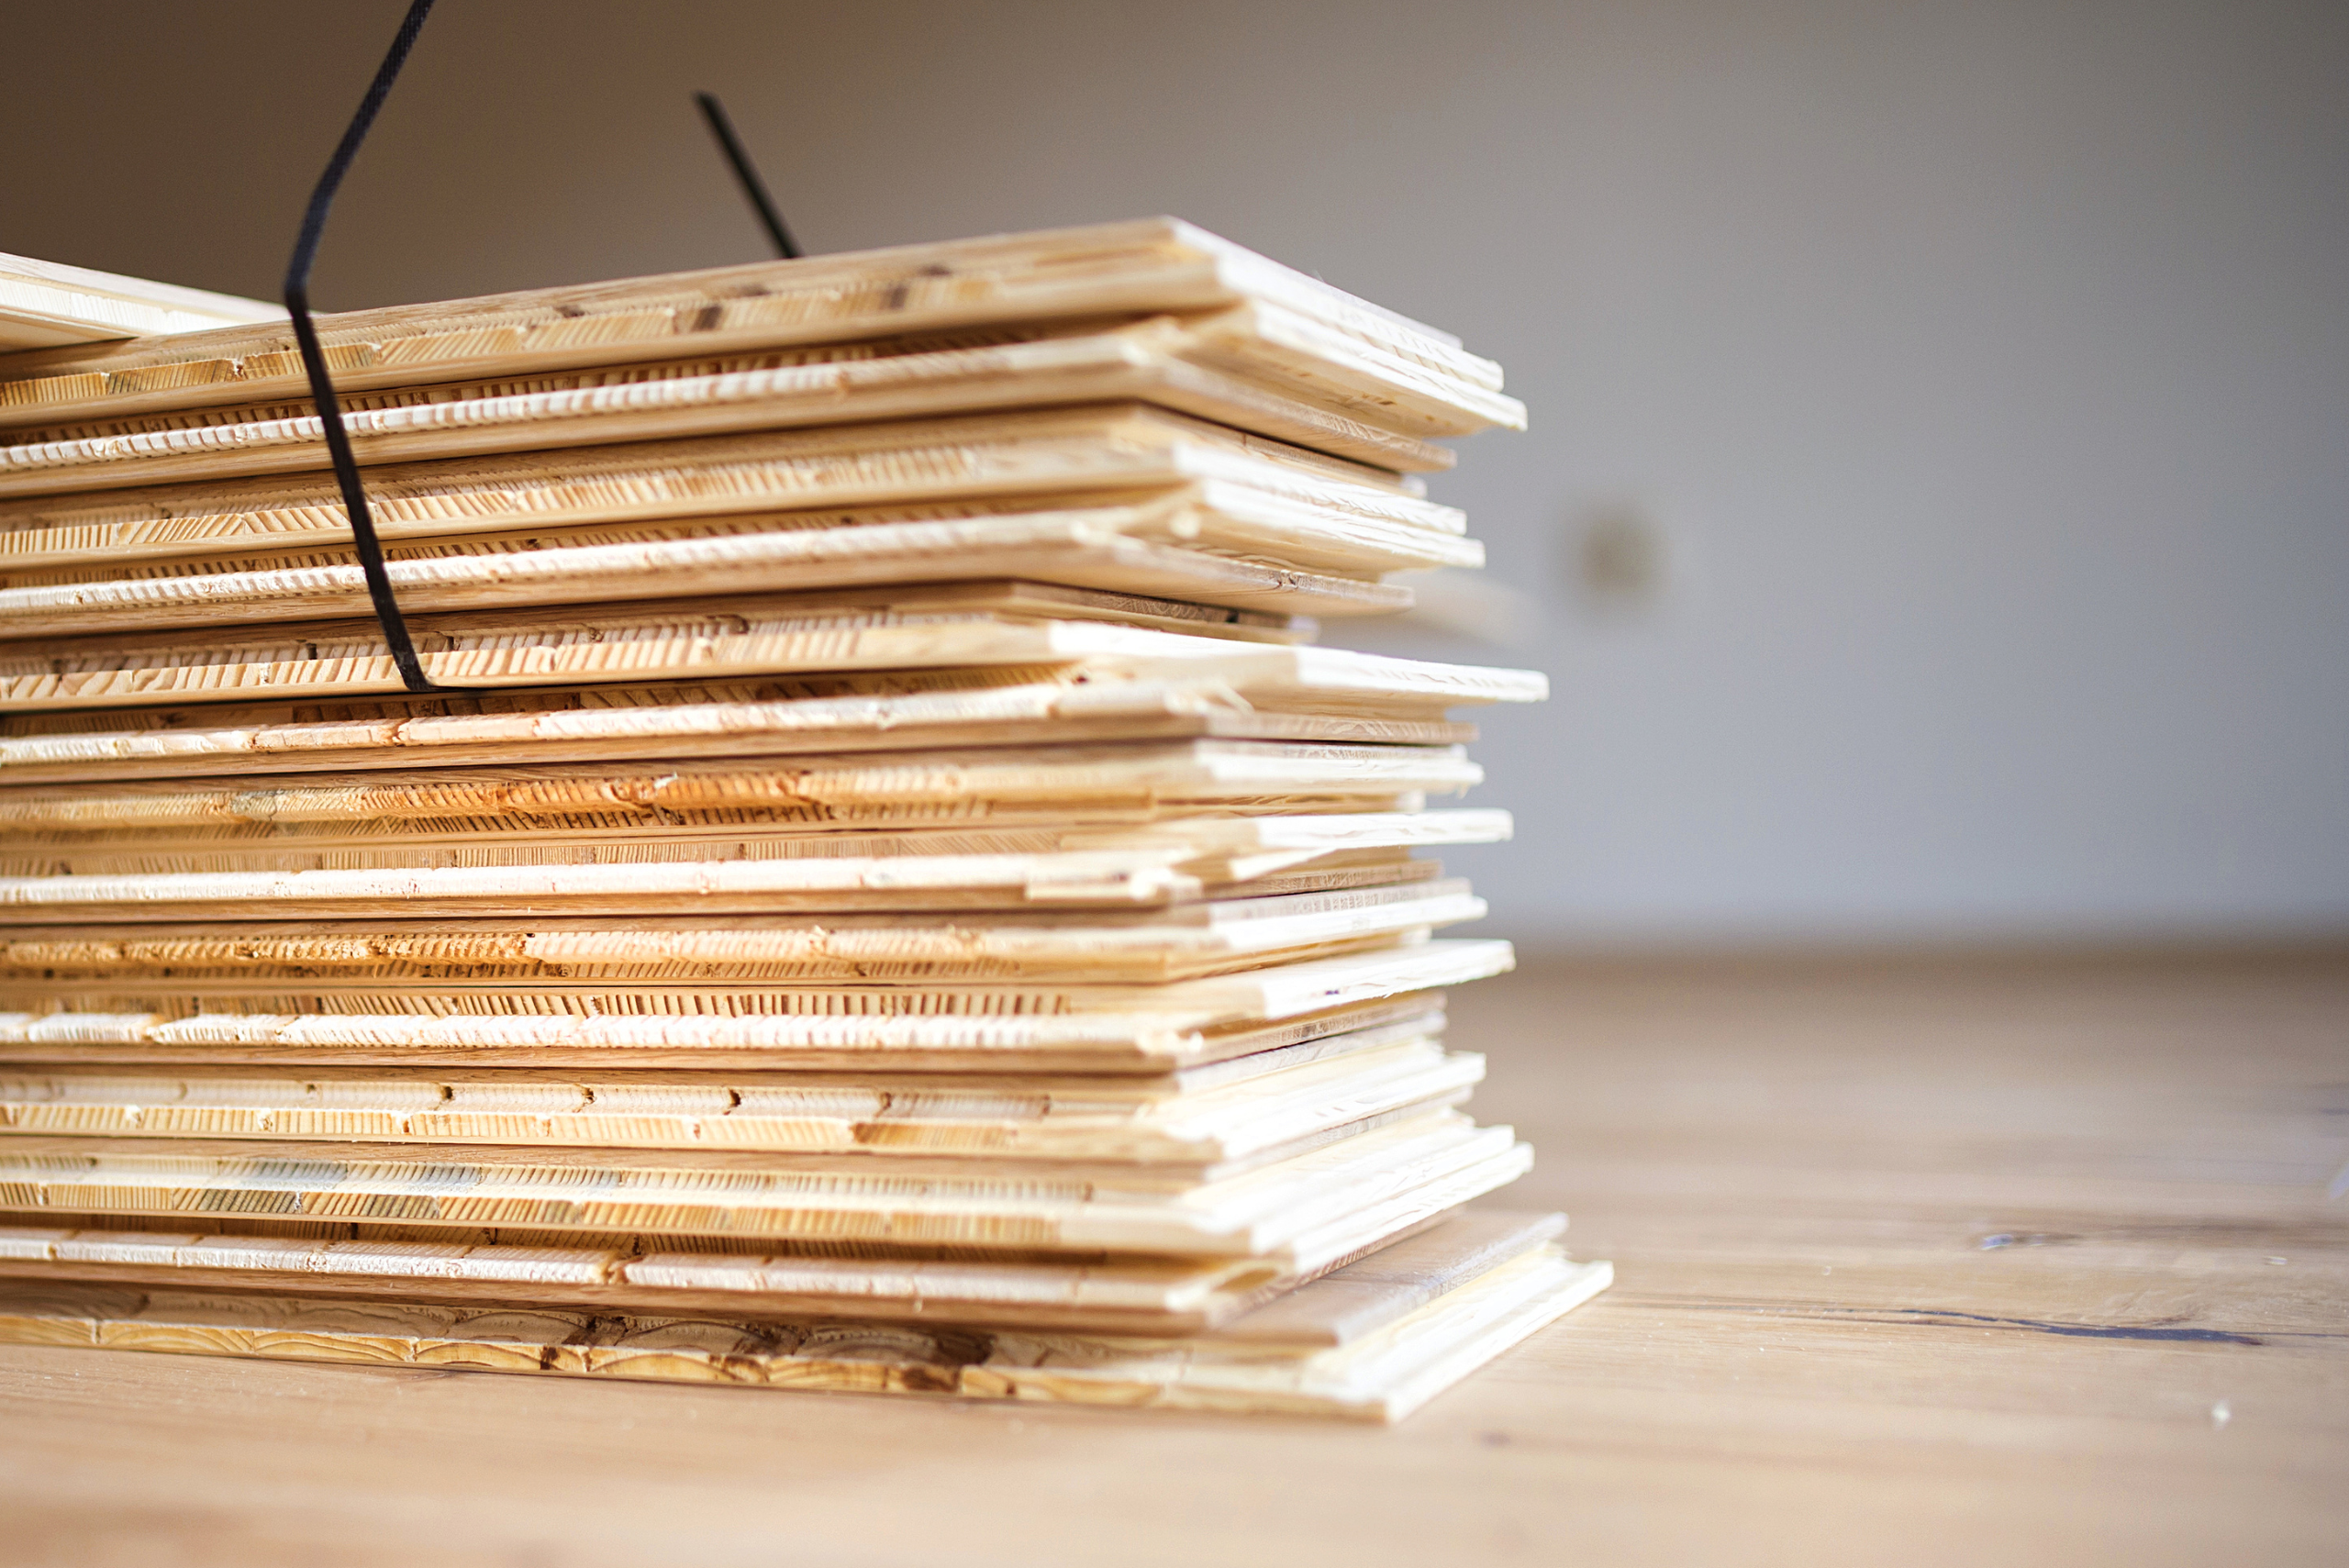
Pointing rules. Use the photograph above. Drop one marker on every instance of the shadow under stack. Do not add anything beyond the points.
(893, 902)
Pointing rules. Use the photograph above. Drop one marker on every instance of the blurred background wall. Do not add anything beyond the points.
(1936, 518)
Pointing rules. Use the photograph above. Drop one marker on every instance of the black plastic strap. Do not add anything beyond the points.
(369, 548)
(753, 186)
(313, 360)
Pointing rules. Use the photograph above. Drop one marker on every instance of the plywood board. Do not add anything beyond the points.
(1209, 369)
(1151, 267)
(1240, 493)
(1114, 945)
(924, 627)
(938, 870)
(1067, 784)
(1092, 548)
(45, 304)
(965, 1027)
(1382, 1376)
(1039, 1105)
(1053, 1119)
(1243, 1302)
(1044, 1120)
(1402, 1171)
(1303, 695)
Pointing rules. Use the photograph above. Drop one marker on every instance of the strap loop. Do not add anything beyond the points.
(313, 360)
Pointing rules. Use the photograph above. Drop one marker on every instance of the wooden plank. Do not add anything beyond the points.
(1240, 492)
(1244, 697)
(924, 627)
(966, 1027)
(1096, 1291)
(1381, 1377)
(1401, 1170)
(1397, 1280)
(1208, 369)
(941, 871)
(1061, 783)
(45, 304)
(1046, 1120)
(1039, 1104)
(1084, 550)
(1175, 943)
(1148, 268)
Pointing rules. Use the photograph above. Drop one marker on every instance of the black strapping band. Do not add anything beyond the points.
(314, 359)
(753, 188)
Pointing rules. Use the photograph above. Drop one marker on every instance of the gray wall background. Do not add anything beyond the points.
(1982, 368)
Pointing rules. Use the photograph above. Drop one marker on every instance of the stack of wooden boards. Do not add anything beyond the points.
(893, 902)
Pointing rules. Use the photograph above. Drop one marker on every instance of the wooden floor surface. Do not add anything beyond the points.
(2014, 1263)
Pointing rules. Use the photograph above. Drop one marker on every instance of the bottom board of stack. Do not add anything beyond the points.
(1017, 972)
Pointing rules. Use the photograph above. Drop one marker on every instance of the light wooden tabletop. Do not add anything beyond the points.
(2017, 1263)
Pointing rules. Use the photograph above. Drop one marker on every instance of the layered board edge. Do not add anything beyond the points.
(1370, 1342)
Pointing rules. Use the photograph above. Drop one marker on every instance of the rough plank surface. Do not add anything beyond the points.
(1165, 362)
(923, 627)
(1100, 547)
(1168, 863)
(43, 304)
(1226, 489)
(1149, 267)
(1065, 784)
(1041, 1118)
(1178, 941)
(957, 1026)
(1442, 1323)
(1226, 691)
(1314, 1198)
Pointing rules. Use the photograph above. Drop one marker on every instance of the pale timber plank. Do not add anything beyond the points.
(1163, 363)
(1058, 784)
(1243, 492)
(963, 1027)
(1297, 699)
(1381, 1376)
(1050, 1119)
(1180, 859)
(1149, 267)
(1402, 1170)
(46, 304)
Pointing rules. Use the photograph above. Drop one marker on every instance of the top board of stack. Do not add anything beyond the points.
(895, 899)
(43, 304)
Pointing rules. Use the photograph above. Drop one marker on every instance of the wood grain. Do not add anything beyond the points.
(1176, 860)
(44, 304)
(1302, 695)
(1316, 1197)
(1146, 268)
(1425, 1327)
(1093, 549)
(1068, 784)
(1209, 370)
(961, 1025)
(1178, 942)
(1230, 491)
(1048, 1118)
